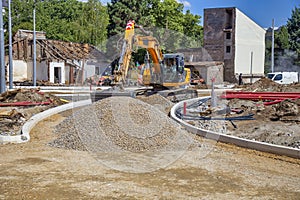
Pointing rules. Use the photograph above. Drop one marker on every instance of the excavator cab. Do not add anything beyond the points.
(175, 75)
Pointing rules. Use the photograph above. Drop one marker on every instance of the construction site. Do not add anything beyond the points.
(191, 124)
(131, 148)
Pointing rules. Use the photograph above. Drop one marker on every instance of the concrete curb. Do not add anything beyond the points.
(25, 136)
(256, 145)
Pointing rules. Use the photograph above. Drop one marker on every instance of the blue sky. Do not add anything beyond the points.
(260, 11)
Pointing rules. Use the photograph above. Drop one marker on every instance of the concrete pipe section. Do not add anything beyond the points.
(179, 111)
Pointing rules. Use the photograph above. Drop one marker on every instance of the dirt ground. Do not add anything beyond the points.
(35, 170)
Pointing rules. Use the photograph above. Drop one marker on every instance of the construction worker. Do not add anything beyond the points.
(240, 79)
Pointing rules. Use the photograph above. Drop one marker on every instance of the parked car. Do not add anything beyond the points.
(284, 77)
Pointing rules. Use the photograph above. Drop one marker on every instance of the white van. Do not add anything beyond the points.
(284, 77)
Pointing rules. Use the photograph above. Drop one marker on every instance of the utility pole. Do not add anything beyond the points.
(272, 54)
(10, 47)
(251, 62)
(2, 55)
(34, 47)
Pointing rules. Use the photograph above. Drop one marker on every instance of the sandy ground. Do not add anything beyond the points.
(35, 170)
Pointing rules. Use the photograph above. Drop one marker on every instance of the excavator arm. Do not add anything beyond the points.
(126, 51)
(130, 40)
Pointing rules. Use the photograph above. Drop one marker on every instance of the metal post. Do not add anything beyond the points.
(2, 55)
(10, 47)
(272, 54)
(251, 66)
(34, 48)
(213, 94)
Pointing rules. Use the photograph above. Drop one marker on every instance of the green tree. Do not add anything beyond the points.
(120, 11)
(166, 19)
(170, 15)
(68, 20)
(281, 38)
(293, 28)
(192, 28)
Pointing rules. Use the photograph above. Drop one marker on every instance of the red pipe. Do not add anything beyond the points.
(276, 93)
(184, 108)
(249, 97)
(24, 103)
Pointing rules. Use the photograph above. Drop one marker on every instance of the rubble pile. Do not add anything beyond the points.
(267, 85)
(29, 95)
(275, 124)
(120, 123)
(287, 110)
(17, 106)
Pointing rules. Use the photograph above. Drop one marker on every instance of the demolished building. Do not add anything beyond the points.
(57, 61)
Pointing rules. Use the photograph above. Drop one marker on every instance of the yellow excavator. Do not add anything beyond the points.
(164, 72)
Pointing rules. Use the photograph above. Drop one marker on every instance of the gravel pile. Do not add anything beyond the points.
(122, 124)
(67, 136)
(158, 101)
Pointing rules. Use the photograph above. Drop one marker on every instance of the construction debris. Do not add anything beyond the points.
(274, 107)
(267, 85)
(17, 106)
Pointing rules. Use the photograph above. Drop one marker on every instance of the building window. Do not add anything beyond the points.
(228, 35)
(228, 49)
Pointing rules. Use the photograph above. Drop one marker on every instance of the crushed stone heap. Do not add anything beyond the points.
(121, 124)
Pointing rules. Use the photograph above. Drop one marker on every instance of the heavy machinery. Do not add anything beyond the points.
(165, 69)
(165, 73)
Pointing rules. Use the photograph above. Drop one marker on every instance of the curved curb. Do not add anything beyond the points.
(246, 143)
(26, 128)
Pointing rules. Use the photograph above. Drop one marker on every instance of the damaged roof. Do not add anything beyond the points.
(51, 50)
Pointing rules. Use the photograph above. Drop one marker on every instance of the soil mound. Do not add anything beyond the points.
(267, 85)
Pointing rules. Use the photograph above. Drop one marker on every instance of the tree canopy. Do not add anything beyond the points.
(167, 14)
(68, 20)
(293, 28)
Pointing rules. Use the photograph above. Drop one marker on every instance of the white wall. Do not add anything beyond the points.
(249, 37)
(20, 70)
(61, 66)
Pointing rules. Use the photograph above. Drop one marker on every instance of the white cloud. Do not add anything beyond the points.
(185, 3)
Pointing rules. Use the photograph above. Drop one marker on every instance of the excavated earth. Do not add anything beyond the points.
(131, 150)
(205, 170)
(275, 124)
